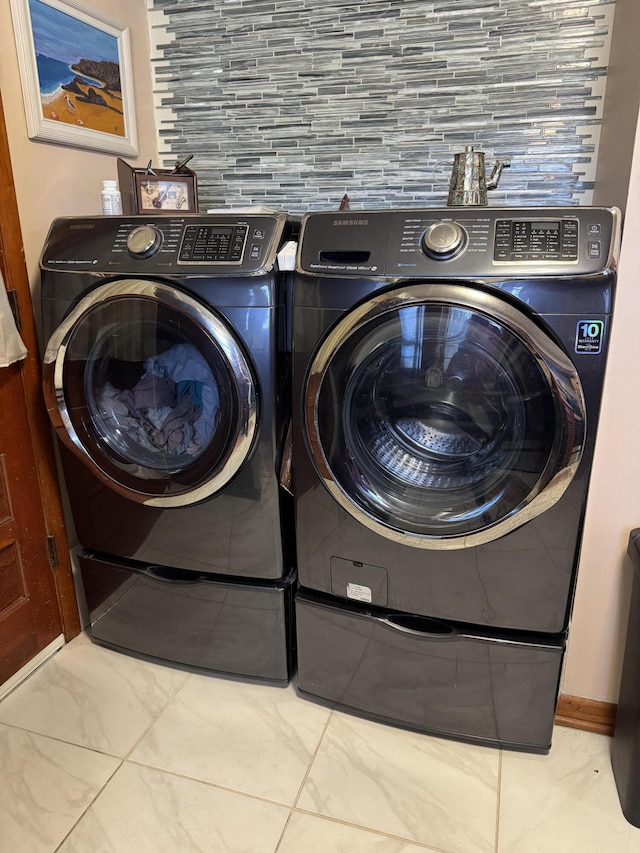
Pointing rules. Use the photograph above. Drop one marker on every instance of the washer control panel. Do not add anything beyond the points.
(195, 244)
(213, 243)
(453, 242)
(537, 240)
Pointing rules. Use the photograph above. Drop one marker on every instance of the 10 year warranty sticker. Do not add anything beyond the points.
(589, 334)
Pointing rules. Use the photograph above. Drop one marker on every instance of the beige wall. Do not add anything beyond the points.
(54, 180)
(598, 628)
(622, 97)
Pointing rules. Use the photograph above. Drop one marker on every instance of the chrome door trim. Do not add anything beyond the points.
(560, 373)
(216, 329)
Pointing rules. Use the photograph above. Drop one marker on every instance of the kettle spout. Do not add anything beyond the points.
(494, 177)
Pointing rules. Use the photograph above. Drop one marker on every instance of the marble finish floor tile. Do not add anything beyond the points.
(253, 738)
(316, 835)
(215, 764)
(148, 811)
(424, 789)
(45, 786)
(566, 800)
(93, 697)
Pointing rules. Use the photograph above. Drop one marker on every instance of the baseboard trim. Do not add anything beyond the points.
(31, 666)
(586, 714)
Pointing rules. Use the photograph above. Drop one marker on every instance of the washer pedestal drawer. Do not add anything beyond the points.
(205, 621)
(427, 675)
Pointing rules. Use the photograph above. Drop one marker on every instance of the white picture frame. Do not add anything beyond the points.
(90, 105)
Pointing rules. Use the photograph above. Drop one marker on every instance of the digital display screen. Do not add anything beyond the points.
(545, 226)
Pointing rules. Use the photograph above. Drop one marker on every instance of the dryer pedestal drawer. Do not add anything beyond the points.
(429, 676)
(189, 618)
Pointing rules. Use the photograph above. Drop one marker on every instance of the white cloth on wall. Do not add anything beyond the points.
(12, 347)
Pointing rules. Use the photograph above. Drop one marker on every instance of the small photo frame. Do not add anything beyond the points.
(168, 193)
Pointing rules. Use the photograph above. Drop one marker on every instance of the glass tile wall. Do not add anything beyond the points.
(292, 103)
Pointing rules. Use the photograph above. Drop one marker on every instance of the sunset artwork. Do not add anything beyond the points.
(78, 70)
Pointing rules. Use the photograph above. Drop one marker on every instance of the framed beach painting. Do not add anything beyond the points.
(75, 69)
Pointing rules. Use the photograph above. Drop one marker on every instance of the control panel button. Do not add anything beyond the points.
(444, 240)
(144, 241)
(594, 248)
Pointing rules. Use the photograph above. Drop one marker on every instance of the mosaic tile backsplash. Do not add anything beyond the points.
(290, 104)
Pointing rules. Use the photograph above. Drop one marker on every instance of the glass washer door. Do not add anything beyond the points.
(441, 416)
(152, 391)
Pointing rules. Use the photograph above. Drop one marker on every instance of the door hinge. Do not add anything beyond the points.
(15, 307)
(52, 551)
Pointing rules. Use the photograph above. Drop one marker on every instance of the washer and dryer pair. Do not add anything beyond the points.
(447, 373)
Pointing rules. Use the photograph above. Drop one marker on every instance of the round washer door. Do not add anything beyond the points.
(441, 416)
(152, 391)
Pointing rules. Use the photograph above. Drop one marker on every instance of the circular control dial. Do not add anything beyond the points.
(144, 241)
(444, 240)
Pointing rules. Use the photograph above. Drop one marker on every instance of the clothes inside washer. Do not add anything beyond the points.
(172, 408)
(185, 365)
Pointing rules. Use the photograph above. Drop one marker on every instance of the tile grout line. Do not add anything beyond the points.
(312, 760)
(57, 739)
(303, 783)
(294, 809)
(89, 805)
(363, 828)
(157, 717)
(137, 763)
(284, 831)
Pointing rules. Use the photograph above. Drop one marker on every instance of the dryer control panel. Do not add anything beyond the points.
(188, 244)
(461, 242)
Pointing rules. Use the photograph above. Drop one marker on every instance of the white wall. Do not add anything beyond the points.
(54, 180)
(598, 629)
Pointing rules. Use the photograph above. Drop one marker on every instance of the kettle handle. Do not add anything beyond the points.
(496, 172)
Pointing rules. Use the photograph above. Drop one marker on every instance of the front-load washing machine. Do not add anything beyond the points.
(447, 374)
(165, 377)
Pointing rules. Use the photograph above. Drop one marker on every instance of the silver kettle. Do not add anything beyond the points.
(468, 185)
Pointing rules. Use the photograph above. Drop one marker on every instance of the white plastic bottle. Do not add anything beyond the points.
(111, 198)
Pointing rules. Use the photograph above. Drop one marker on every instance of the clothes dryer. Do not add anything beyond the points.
(166, 380)
(448, 368)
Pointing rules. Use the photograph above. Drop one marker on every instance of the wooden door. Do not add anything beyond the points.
(29, 614)
(37, 598)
